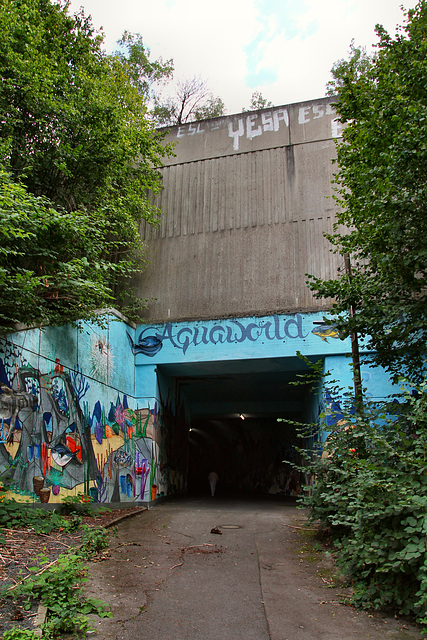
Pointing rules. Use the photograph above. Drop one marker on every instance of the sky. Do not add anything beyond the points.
(282, 48)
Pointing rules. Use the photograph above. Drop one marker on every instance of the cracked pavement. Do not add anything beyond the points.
(169, 577)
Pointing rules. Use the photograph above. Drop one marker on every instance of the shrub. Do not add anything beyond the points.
(14, 515)
(79, 504)
(370, 493)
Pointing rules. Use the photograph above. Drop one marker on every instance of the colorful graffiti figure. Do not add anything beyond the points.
(326, 331)
(147, 345)
(48, 434)
(11, 403)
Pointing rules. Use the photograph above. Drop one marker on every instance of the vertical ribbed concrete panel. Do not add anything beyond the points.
(246, 203)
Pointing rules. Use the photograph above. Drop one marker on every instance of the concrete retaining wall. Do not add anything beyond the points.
(246, 202)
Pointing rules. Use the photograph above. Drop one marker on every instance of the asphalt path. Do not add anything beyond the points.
(170, 577)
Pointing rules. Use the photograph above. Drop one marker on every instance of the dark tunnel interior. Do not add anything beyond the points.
(238, 419)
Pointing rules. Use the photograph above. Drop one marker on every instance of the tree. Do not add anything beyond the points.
(358, 64)
(212, 108)
(145, 73)
(382, 192)
(193, 101)
(52, 264)
(73, 121)
(258, 102)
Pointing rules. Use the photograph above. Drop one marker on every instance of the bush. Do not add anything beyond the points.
(58, 585)
(94, 541)
(370, 493)
(59, 589)
(79, 504)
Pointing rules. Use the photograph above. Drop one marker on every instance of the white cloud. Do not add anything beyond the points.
(298, 40)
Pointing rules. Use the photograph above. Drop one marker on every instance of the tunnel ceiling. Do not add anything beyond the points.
(245, 387)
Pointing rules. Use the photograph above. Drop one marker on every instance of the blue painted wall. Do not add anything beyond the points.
(70, 417)
(81, 407)
(234, 339)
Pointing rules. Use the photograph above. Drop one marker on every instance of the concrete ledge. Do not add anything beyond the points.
(40, 619)
(125, 516)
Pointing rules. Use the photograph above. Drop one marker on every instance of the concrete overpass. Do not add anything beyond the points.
(207, 379)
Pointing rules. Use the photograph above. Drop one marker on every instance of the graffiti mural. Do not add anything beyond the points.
(56, 442)
(92, 411)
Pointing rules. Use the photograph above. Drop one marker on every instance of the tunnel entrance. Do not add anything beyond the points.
(250, 456)
(237, 418)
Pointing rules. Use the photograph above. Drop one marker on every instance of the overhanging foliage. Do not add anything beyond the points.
(382, 194)
(369, 492)
(78, 156)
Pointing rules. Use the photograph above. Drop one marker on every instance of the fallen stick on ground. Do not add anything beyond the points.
(55, 539)
(205, 544)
